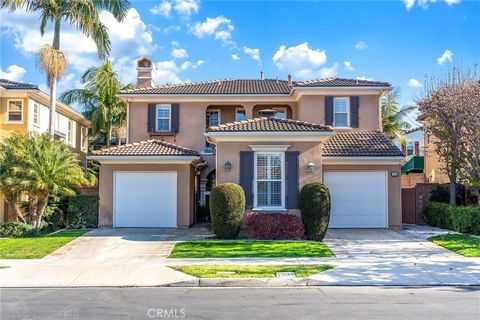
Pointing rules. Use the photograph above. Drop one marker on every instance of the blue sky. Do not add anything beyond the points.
(190, 40)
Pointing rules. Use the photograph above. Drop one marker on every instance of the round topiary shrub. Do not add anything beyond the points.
(314, 203)
(227, 204)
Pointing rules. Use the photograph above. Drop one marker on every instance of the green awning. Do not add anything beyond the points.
(415, 164)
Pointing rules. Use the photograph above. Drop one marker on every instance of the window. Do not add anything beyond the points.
(83, 139)
(239, 114)
(70, 132)
(163, 118)
(340, 112)
(15, 110)
(212, 119)
(269, 180)
(410, 148)
(280, 113)
(36, 114)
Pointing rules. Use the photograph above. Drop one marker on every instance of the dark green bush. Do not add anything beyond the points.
(82, 212)
(441, 193)
(314, 203)
(227, 205)
(464, 219)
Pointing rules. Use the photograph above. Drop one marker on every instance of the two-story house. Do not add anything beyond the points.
(25, 108)
(414, 157)
(269, 136)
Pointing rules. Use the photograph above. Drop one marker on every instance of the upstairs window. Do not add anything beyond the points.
(83, 139)
(70, 132)
(15, 111)
(163, 118)
(341, 107)
(240, 114)
(36, 114)
(212, 119)
(410, 148)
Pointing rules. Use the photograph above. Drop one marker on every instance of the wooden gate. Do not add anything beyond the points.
(409, 206)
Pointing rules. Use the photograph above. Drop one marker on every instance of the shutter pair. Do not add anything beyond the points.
(174, 115)
(247, 167)
(354, 106)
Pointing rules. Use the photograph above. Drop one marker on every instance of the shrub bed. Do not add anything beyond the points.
(314, 203)
(82, 212)
(16, 229)
(227, 205)
(274, 226)
(464, 219)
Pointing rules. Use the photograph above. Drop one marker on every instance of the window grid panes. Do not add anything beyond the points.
(36, 114)
(212, 119)
(70, 131)
(340, 107)
(15, 108)
(163, 118)
(269, 179)
(410, 147)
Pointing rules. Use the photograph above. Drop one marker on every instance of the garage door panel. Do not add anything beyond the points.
(358, 199)
(145, 199)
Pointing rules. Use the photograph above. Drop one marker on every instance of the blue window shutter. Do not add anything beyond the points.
(354, 113)
(291, 176)
(246, 176)
(328, 111)
(152, 111)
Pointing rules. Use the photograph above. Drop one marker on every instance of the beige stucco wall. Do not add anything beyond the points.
(434, 167)
(185, 185)
(394, 188)
(7, 128)
(410, 180)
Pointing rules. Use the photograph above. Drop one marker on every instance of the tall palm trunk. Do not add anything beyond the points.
(12, 202)
(53, 82)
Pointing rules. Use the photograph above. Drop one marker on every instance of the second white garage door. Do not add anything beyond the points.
(359, 199)
(145, 199)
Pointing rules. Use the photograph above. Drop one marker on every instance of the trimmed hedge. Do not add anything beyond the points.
(464, 219)
(227, 205)
(274, 226)
(82, 212)
(16, 229)
(314, 202)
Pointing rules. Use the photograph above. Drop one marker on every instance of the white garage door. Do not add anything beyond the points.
(145, 199)
(359, 199)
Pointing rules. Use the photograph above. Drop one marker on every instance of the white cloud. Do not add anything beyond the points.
(188, 64)
(235, 57)
(446, 56)
(348, 66)
(301, 60)
(365, 78)
(409, 4)
(184, 8)
(13, 72)
(361, 45)
(253, 53)
(163, 9)
(220, 28)
(329, 72)
(179, 53)
(167, 71)
(414, 83)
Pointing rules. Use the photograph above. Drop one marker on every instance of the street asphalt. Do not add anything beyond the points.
(337, 303)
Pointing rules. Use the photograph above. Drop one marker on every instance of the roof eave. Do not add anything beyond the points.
(158, 159)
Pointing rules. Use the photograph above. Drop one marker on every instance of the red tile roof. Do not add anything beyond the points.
(268, 124)
(360, 144)
(146, 148)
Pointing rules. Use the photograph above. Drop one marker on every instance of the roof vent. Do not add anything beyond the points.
(261, 74)
(289, 79)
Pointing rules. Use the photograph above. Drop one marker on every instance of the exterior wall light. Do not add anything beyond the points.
(227, 166)
(394, 174)
(311, 167)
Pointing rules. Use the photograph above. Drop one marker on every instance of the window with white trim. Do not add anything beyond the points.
(341, 107)
(36, 114)
(15, 111)
(239, 114)
(269, 180)
(410, 148)
(212, 118)
(70, 132)
(163, 123)
(83, 139)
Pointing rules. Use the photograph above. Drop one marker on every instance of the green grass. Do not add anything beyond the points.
(249, 271)
(463, 244)
(249, 249)
(36, 247)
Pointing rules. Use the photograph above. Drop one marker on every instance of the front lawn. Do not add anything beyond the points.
(249, 271)
(249, 249)
(463, 244)
(36, 247)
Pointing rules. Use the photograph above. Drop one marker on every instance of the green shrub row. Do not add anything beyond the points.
(464, 219)
(15, 229)
(82, 212)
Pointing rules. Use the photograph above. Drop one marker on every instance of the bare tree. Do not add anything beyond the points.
(447, 116)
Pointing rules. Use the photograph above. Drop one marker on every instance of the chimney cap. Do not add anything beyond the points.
(289, 79)
(261, 75)
(145, 62)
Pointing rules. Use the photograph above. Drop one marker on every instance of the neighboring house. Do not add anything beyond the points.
(270, 136)
(25, 108)
(434, 166)
(413, 163)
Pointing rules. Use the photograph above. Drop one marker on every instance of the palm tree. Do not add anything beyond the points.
(84, 15)
(39, 167)
(99, 99)
(393, 117)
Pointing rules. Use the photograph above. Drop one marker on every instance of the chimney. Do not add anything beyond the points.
(261, 74)
(289, 79)
(145, 69)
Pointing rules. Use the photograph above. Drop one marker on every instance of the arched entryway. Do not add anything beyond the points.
(206, 186)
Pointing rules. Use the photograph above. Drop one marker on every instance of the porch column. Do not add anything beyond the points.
(248, 110)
